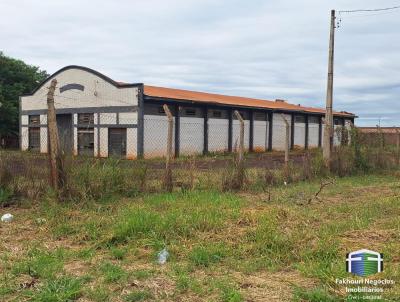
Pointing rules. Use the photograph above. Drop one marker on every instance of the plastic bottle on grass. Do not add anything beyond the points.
(7, 217)
(163, 256)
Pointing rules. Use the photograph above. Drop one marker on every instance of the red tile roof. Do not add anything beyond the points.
(219, 99)
(377, 130)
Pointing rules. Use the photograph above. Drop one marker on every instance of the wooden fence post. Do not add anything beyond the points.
(168, 172)
(381, 137)
(287, 141)
(54, 144)
(398, 145)
(241, 137)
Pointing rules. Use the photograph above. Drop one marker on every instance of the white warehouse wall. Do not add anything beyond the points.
(260, 140)
(155, 136)
(313, 133)
(191, 135)
(218, 135)
(299, 134)
(279, 131)
(97, 93)
(235, 134)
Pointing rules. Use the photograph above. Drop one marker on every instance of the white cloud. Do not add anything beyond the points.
(264, 49)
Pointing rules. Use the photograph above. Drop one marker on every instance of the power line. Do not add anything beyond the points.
(369, 10)
(377, 11)
(367, 15)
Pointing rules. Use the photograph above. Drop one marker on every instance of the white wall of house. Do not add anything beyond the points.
(103, 142)
(24, 144)
(218, 135)
(279, 131)
(107, 100)
(260, 140)
(97, 94)
(191, 135)
(299, 134)
(75, 134)
(155, 136)
(131, 143)
(313, 133)
(336, 135)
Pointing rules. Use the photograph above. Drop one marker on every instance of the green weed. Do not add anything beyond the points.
(112, 273)
(206, 255)
(136, 296)
(57, 290)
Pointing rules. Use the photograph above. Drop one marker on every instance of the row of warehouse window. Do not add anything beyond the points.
(85, 130)
(223, 114)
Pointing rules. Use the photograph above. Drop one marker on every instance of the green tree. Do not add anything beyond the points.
(16, 78)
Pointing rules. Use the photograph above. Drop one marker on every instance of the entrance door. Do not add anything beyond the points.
(117, 142)
(64, 125)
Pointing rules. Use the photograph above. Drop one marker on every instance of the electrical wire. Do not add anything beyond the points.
(381, 11)
(369, 10)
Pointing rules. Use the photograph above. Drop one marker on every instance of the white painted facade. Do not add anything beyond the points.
(260, 141)
(155, 135)
(236, 133)
(116, 106)
(98, 94)
(279, 131)
(313, 133)
(218, 135)
(191, 135)
(299, 135)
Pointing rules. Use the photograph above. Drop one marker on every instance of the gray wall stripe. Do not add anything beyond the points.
(113, 109)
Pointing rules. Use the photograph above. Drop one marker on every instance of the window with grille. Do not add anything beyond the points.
(260, 116)
(190, 112)
(34, 120)
(86, 119)
(299, 119)
(217, 113)
(313, 120)
(34, 139)
(337, 121)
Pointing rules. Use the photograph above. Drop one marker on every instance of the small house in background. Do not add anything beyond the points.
(98, 116)
(380, 135)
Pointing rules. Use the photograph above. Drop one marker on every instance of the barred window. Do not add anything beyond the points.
(313, 120)
(34, 139)
(299, 119)
(34, 120)
(260, 116)
(217, 113)
(190, 112)
(86, 119)
(337, 121)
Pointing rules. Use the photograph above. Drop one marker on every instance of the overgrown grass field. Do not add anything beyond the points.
(254, 246)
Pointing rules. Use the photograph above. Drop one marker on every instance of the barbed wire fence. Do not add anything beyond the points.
(112, 135)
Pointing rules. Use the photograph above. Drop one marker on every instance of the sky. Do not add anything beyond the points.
(262, 49)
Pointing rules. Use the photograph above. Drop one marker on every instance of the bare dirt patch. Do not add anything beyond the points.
(273, 287)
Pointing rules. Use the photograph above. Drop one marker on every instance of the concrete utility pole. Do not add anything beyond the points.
(328, 135)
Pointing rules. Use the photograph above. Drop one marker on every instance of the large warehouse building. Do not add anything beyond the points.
(97, 116)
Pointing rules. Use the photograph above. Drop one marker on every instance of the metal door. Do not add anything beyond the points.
(64, 125)
(117, 142)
